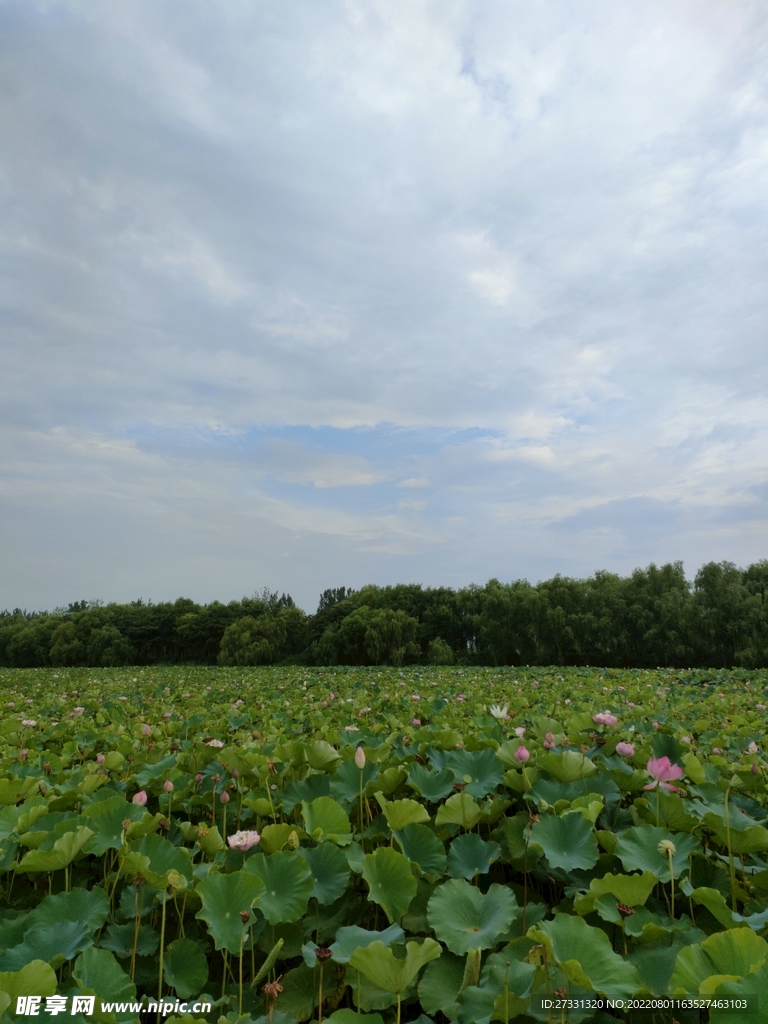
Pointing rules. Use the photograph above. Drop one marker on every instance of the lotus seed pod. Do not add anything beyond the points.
(292, 841)
(665, 847)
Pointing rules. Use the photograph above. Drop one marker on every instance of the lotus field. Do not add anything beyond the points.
(380, 845)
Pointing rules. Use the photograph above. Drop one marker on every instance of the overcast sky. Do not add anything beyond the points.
(308, 294)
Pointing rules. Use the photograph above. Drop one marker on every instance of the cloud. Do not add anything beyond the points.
(509, 258)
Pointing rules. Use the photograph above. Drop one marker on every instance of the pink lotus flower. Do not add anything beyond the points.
(244, 840)
(416, 721)
(140, 798)
(146, 730)
(717, 750)
(625, 749)
(549, 741)
(214, 743)
(100, 759)
(605, 718)
(199, 778)
(28, 723)
(520, 731)
(522, 755)
(663, 773)
(23, 753)
(168, 786)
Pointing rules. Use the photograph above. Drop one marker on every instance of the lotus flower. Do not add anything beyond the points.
(520, 731)
(605, 718)
(214, 743)
(244, 840)
(625, 749)
(140, 798)
(549, 741)
(752, 748)
(499, 712)
(663, 773)
(522, 755)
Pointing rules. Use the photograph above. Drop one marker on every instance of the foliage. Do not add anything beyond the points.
(369, 843)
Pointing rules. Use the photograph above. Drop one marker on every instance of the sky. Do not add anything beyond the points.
(322, 293)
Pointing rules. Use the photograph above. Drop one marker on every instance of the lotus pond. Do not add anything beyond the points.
(380, 845)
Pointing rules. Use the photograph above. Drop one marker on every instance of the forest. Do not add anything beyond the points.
(654, 617)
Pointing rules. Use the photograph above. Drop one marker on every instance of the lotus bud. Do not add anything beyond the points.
(224, 797)
(146, 730)
(235, 773)
(522, 755)
(176, 881)
(168, 786)
(360, 758)
(140, 798)
(100, 759)
(126, 824)
(755, 769)
(198, 778)
(245, 916)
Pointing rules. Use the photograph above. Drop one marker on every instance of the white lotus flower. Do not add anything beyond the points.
(498, 712)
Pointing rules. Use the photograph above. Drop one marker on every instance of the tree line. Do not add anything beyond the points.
(654, 617)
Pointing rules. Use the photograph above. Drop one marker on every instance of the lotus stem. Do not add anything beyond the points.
(240, 975)
(162, 951)
(731, 867)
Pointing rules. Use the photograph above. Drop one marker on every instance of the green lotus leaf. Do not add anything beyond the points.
(752, 839)
(755, 985)
(350, 938)
(400, 813)
(164, 857)
(54, 944)
(274, 837)
(464, 918)
(308, 789)
(322, 756)
(326, 819)
(631, 890)
(105, 818)
(185, 967)
(119, 939)
(433, 786)
(568, 842)
(421, 846)
(347, 1016)
(440, 985)
(153, 772)
(98, 973)
(459, 809)
(223, 897)
(288, 884)
(390, 881)
(469, 855)
(345, 782)
(380, 965)
(298, 998)
(330, 872)
(36, 979)
(64, 851)
(568, 766)
(727, 955)
(13, 791)
(479, 770)
(87, 906)
(585, 955)
(638, 850)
